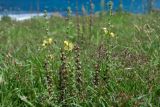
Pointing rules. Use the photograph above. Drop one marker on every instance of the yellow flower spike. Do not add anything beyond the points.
(50, 40)
(66, 42)
(68, 46)
(112, 34)
(47, 42)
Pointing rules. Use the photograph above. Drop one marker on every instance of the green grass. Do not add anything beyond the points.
(129, 66)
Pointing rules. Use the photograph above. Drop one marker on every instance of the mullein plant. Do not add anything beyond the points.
(83, 21)
(46, 26)
(106, 48)
(69, 24)
(108, 30)
(71, 69)
(49, 57)
(78, 73)
(77, 20)
(48, 78)
(63, 75)
(71, 80)
(47, 42)
(79, 27)
(110, 4)
(96, 75)
(91, 18)
(69, 11)
(101, 58)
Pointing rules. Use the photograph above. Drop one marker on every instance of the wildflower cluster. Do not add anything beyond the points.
(68, 46)
(47, 42)
(108, 32)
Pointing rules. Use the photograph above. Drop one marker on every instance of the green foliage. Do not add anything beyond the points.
(6, 18)
(128, 62)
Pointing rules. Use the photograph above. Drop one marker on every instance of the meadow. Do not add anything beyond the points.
(99, 60)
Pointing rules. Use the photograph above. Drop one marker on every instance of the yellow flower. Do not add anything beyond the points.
(112, 34)
(50, 40)
(47, 42)
(105, 30)
(44, 43)
(68, 46)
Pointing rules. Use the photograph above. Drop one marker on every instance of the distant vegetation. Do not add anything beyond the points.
(38, 6)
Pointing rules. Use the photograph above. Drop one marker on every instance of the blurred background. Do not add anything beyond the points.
(28, 7)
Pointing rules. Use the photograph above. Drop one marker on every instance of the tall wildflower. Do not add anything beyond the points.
(96, 75)
(91, 17)
(77, 17)
(46, 26)
(63, 78)
(68, 46)
(69, 12)
(101, 55)
(108, 32)
(48, 78)
(110, 4)
(69, 24)
(83, 21)
(47, 42)
(79, 74)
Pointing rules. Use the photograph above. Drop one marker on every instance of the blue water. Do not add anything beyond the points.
(27, 6)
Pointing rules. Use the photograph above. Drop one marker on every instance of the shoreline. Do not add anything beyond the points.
(26, 16)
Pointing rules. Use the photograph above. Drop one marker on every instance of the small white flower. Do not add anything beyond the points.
(128, 68)
(105, 30)
(112, 34)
